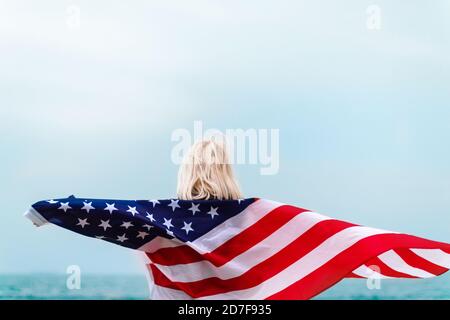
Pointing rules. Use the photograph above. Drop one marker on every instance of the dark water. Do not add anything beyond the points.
(49, 286)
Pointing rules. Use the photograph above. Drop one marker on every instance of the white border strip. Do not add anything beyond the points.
(35, 217)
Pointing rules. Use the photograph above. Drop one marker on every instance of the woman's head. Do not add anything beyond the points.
(207, 174)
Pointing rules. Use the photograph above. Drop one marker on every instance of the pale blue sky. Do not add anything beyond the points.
(364, 116)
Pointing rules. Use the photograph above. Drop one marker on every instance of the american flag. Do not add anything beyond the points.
(244, 249)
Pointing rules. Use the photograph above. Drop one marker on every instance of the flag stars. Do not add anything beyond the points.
(110, 208)
(126, 225)
(150, 216)
(65, 206)
(194, 208)
(174, 204)
(132, 210)
(122, 238)
(105, 224)
(142, 234)
(168, 223)
(87, 206)
(155, 202)
(213, 212)
(82, 222)
(187, 227)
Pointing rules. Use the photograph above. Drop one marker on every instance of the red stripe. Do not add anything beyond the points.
(234, 246)
(348, 260)
(354, 275)
(418, 262)
(169, 256)
(379, 266)
(304, 244)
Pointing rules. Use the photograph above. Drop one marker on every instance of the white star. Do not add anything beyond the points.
(132, 210)
(150, 216)
(82, 222)
(174, 204)
(154, 202)
(213, 212)
(194, 208)
(168, 223)
(87, 206)
(110, 208)
(187, 227)
(142, 234)
(170, 233)
(105, 224)
(122, 238)
(65, 206)
(147, 226)
(100, 237)
(126, 225)
(52, 201)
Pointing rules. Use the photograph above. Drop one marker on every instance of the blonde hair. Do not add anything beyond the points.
(207, 174)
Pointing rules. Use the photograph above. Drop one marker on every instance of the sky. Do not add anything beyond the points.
(91, 91)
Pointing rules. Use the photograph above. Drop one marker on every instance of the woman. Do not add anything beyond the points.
(211, 244)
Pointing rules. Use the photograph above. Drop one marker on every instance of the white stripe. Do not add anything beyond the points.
(233, 226)
(435, 256)
(35, 217)
(366, 272)
(394, 261)
(160, 242)
(163, 293)
(223, 232)
(248, 259)
(148, 272)
(326, 251)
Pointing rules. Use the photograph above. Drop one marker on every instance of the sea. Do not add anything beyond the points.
(135, 287)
